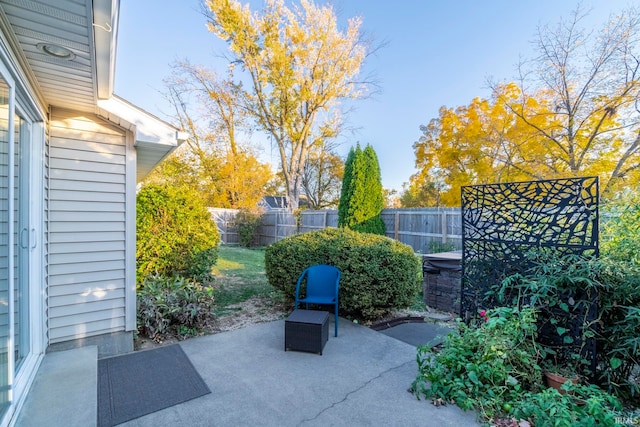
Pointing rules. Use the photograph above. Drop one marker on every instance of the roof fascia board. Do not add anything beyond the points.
(105, 32)
(148, 128)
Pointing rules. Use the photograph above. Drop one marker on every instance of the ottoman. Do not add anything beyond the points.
(306, 330)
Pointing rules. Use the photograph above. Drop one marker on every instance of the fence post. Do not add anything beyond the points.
(324, 225)
(396, 225)
(443, 220)
(225, 228)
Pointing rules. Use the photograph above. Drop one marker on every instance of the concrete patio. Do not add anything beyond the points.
(361, 379)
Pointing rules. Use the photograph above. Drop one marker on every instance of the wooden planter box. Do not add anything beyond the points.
(442, 290)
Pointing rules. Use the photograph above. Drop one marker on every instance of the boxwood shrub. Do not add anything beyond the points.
(378, 273)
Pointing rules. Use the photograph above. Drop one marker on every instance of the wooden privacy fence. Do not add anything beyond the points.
(276, 225)
(224, 219)
(426, 230)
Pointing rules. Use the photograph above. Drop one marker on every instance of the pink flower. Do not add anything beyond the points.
(483, 313)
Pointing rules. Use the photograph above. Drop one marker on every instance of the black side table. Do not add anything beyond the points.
(306, 330)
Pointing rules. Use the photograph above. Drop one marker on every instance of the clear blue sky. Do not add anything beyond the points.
(438, 52)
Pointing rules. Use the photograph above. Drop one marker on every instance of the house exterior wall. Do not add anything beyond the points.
(87, 228)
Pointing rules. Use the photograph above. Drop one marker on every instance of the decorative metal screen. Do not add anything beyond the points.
(502, 222)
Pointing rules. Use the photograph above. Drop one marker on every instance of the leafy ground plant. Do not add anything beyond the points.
(173, 305)
(494, 368)
(486, 368)
(580, 405)
(239, 295)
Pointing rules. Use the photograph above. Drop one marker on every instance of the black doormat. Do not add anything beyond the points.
(386, 324)
(413, 330)
(143, 382)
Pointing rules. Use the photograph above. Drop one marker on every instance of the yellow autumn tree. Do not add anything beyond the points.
(473, 144)
(582, 105)
(224, 167)
(296, 65)
(579, 118)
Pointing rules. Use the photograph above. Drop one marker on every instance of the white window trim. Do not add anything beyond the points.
(21, 382)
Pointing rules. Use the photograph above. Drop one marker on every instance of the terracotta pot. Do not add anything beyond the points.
(556, 381)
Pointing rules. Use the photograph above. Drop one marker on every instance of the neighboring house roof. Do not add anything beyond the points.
(86, 32)
(274, 202)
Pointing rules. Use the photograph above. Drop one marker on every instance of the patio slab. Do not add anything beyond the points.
(64, 392)
(361, 379)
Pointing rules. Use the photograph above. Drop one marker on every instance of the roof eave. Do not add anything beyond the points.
(105, 30)
(154, 138)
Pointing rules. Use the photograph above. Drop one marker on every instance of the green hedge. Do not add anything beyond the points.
(175, 233)
(378, 273)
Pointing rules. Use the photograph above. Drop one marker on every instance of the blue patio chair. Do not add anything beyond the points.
(322, 285)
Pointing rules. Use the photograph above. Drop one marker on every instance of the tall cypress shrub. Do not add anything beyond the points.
(361, 198)
(346, 190)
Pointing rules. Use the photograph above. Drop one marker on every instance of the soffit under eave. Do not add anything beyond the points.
(154, 138)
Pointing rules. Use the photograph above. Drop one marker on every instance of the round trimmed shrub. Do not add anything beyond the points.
(378, 273)
(175, 233)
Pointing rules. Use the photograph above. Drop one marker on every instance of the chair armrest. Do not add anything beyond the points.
(304, 273)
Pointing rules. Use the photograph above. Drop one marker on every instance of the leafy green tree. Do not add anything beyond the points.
(361, 198)
(346, 190)
(420, 193)
(621, 227)
(179, 169)
(175, 233)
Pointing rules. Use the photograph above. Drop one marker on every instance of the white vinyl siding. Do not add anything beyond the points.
(87, 226)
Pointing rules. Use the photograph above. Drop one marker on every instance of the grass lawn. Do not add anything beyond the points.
(240, 275)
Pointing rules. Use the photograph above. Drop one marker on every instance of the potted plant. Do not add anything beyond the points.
(555, 376)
